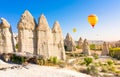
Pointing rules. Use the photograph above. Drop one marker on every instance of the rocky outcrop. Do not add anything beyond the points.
(6, 37)
(32, 39)
(85, 48)
(44, 38)
(58, 41)
(105, 49)
(27, 33)
(69, 43)
(80, 41)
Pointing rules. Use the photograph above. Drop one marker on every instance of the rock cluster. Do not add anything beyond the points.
(105, 49)
(69, 43)
(33, 38)
(40, 39)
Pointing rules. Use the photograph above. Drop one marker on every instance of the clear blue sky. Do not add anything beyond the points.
(70, 14)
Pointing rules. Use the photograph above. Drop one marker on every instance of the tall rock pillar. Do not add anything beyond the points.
(69, 43)
(27, 33)
(86, 48)
(44, 38)
(6, 37)
(58, 41)
(105, 49)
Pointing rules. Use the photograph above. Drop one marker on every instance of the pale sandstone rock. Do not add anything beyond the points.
(80, 41)
(85, 48)
(27, 33)
(6, 37)
(105, 50)
(69, 43)
(33, 39)
(58, 41)
(44, 38)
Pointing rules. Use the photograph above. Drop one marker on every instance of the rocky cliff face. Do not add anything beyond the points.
(27, 33)
(58, 43)
(69, 43)
(6, 37)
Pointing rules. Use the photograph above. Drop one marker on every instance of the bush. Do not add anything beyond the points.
(92, 70)
(115, 53)
(95, 56)
(55, 60)
(110, 62)
(78, 47)
(16, 46)
(88, 60)
(92, 47)
(18, 59)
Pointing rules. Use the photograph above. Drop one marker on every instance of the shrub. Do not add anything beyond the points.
(16, 46)
(88, 60)
(77, 47)
(95, 56)
(92, 69)
(92, 47)
(55, 60)
(18, 59)
(115, 53)
(110, 62)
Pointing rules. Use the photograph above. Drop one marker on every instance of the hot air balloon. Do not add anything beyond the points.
(74, 29)
(92, 19)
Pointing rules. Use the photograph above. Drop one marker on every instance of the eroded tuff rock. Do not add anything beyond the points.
(27, 33)
(85, 48)
(80, 41)
(69, 43)
(44, 37)
(6, 37)
(105, 49)
(33, 39)
(58, 41)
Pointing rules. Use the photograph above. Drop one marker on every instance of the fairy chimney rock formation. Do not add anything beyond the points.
(105, 50)
(69, 43)
(80, 41)
(44, 38)
(26, 33)
(58, 41)
(32, 38)
(85, 48)
(6, 37)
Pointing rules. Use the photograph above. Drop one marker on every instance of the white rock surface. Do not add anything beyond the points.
(44, 37)
(26, 33)
(85, 48)
(6, 37)
(105, 50)
(69, 43)
(80, 42)
(58, 42)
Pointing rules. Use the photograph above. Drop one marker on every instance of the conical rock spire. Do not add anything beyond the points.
(27, 21)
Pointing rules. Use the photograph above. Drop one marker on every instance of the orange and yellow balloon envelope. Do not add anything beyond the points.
(92, 19)
(74, 30)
